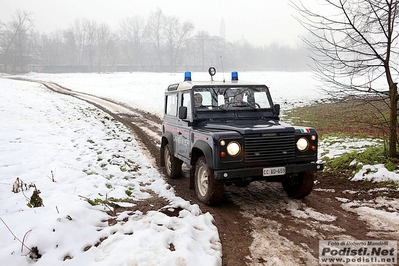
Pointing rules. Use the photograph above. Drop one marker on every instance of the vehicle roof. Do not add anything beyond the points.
(186, 85)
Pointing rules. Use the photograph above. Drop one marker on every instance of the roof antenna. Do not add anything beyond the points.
(221, 60)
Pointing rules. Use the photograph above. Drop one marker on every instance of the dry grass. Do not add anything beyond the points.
(353, 117)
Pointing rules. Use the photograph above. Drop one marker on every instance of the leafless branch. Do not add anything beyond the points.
(353, 43)
(15, 237)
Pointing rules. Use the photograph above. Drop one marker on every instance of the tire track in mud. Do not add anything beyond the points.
(259, 224)
(287, 231)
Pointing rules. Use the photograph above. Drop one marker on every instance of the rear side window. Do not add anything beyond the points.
(171, 104)
(187, 103)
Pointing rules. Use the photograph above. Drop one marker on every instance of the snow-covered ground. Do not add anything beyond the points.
(335, 146)
(72, 152)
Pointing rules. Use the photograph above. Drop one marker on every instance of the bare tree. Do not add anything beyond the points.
(176, 35)
(156, 41)
(43, 44)
(15, 40)
(132, 39)
(113, 50)
(220, 52)
(205, 50)
(76, 38)
(155, 30)
(49, 48)
(355, 46)
(106, 43)
(80, 40)
(90, 27)
(198, 47)
(70, 47)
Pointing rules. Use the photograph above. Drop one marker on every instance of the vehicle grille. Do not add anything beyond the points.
(269, 148)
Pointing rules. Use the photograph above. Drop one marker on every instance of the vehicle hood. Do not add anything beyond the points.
(248, 127)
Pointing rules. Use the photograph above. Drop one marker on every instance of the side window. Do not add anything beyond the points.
(171, 104)
(187, 103)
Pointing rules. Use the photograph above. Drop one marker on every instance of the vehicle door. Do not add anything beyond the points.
(170, 119)
(183, 127)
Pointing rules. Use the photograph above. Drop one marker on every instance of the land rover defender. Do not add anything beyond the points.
(230, 132)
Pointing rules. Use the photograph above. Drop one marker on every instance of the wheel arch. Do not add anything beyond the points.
(166, 139)
(202, 148)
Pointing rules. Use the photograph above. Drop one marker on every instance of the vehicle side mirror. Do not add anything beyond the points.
(182, 112)
(277, 109)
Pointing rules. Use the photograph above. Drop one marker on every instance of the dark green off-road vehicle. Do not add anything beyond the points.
(230, 132)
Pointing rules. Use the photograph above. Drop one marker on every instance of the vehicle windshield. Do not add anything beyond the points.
(231, 98)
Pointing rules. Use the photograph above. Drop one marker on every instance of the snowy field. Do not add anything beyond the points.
(73, 152)
(145, 90)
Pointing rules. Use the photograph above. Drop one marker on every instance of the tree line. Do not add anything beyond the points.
(156, 43)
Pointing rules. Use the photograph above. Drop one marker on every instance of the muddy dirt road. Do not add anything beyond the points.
(259, 224)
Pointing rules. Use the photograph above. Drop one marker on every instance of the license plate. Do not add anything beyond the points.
(273, 171)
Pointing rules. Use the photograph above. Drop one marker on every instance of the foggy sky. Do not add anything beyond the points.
(260, 22)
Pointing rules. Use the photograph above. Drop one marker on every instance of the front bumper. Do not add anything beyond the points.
(257, 172)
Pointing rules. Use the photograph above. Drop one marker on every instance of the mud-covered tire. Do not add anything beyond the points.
(209, 190)
(299, 185)
(172, 164)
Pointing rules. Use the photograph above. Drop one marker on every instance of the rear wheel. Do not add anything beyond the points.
(209, 190)
(172, 164)
(299, 185)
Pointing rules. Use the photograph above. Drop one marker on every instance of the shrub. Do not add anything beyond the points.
(352, 162)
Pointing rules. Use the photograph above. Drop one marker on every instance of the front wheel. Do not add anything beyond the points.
(172, 164)
(299, 185)
(209, 190)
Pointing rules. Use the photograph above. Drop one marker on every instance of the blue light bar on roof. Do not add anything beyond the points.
(234, 75)
(187, 76)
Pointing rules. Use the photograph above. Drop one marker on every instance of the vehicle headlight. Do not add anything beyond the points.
(233, 148)
(302, 144)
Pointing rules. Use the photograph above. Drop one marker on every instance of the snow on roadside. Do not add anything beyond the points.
(91, 156)
(376, 173)
(381, 215)
(332, 147)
